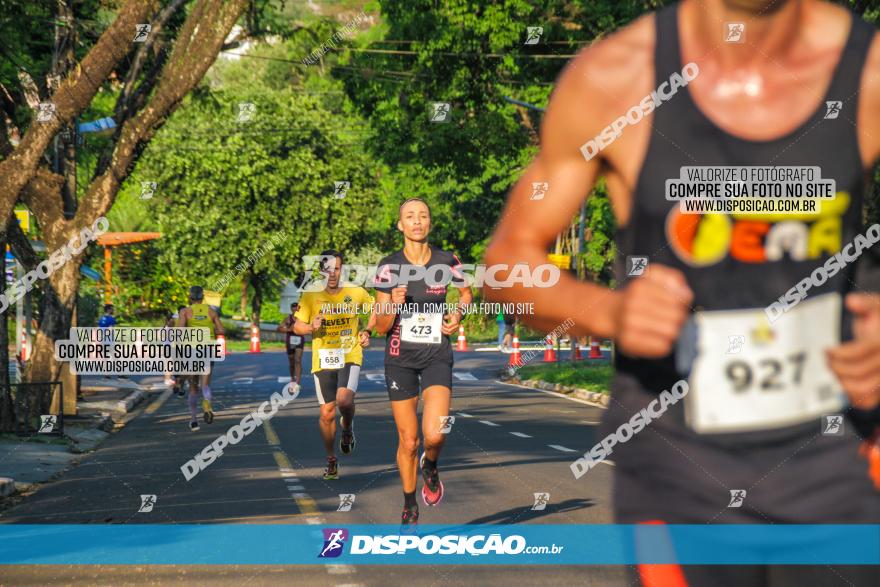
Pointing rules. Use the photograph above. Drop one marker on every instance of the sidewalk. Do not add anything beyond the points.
(106, 404)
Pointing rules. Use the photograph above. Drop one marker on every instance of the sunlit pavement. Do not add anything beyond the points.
(506, 444)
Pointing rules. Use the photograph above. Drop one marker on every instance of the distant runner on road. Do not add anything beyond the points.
(200, 315)
(418, 354)
(294, 344)
(331, 317)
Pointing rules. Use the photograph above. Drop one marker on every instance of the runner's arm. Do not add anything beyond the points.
(383, 321)
(218, 326)
(527, 228)
(183, 317)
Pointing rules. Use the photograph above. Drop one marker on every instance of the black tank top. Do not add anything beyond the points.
(753, 267)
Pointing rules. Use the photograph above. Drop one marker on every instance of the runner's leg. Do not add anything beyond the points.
(407, 422)
(437, 399)
(327, 424)
(298, 365)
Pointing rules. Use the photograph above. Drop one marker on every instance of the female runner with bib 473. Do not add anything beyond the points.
(418, 355)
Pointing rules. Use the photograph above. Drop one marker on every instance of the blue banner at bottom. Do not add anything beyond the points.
(280, 544)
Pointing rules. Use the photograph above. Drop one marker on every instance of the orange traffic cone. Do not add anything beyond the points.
(222, 340)
(515, 359)
(549, 351)
(24, 345)
(595, 353)
(577, 350)
(255, 339)
(462, 341)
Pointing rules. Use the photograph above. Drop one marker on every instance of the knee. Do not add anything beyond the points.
(345, 404)
(328, 415)
(409, 445)
(434, 439)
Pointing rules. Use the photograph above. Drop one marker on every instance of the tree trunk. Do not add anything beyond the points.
(244, 288)
(57, 317)
(257, 302)
(6, 413)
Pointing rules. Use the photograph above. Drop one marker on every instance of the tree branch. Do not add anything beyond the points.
(72, 97)
(196, 49)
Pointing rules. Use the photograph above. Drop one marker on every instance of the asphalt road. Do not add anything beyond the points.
(506, 444)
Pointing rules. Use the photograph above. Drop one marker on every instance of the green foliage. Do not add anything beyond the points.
(144, 288)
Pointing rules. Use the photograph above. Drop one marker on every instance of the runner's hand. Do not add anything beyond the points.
(398, 295)
(450, 323)
(649, 312)
(317, 321)
(365, 338)
(857, 363)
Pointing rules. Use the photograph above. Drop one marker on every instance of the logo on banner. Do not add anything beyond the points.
(334, 541)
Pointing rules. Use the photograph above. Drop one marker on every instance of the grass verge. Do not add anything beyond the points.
(584, 375)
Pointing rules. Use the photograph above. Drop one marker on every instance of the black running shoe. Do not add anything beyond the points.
(409, 516)
(332, 470)
(193, 425)
(347, 441)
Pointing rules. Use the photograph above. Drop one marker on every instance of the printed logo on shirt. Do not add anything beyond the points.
(701, 240)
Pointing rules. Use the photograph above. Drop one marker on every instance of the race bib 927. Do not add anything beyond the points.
(750, 374)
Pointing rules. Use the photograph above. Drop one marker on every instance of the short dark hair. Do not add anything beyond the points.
(325, 255)
(196, 293)
(408, 200)
(108, 307)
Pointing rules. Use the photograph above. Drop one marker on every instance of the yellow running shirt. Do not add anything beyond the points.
(201, 317)
(336, 342)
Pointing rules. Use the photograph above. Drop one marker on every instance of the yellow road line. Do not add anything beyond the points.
(282, 461)
(153, 407)
(271, 436)
(307, 505)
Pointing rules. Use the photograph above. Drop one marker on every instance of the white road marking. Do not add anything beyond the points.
(340, 569)
(463, 415)
(488, 423)
(296, 487)
(561, 448)
(243, 381)
(306, 495)
(520, 434)
(464, 376)
(284, 380)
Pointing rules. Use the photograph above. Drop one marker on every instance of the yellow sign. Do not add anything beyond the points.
(24, 220)
(561, 261)
(212, 298)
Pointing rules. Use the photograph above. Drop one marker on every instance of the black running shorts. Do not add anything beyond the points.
(328, 381)
(405, 382)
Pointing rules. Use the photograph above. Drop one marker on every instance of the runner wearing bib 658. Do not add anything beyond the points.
(200, 315)
(418, 355)
(337, 352)
(760, 421)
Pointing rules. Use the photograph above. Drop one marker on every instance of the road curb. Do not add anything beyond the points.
(130, 401)
(593, 397)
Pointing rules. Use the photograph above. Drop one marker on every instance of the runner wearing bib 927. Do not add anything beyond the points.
(725, 407)
(418, 354)
(337, 352)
